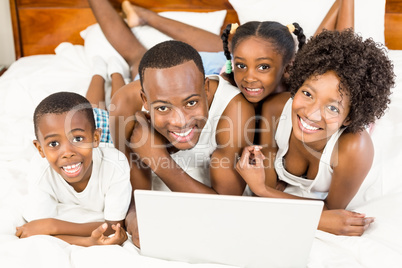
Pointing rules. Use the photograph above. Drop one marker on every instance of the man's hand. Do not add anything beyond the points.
(132, 227)
(344, 222)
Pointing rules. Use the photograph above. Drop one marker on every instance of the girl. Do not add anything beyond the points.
(314, 137)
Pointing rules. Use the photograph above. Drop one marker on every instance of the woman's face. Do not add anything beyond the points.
(319, 109)
(258, 68)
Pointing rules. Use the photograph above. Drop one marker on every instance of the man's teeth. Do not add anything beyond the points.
(183, 134)
(307, 126)
(253, 89)
(73, 168)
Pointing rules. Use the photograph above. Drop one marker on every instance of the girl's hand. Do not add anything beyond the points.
(251, 168)
(36, 227)
(97, 237)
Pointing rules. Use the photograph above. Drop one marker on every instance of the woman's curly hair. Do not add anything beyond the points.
(365, 72)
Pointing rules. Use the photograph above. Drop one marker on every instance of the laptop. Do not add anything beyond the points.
(241, 231)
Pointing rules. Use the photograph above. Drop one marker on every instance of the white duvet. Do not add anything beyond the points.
(30, 79)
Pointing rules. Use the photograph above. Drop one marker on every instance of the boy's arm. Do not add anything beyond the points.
(52, 226)
(97, 237)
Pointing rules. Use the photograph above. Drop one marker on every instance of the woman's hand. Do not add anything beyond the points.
(344, 222)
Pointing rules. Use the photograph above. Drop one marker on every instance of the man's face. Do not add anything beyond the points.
(176, 98)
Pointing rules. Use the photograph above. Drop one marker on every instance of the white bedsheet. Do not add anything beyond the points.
(31, 79)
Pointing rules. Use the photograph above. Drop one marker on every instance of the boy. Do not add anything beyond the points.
(80, 185)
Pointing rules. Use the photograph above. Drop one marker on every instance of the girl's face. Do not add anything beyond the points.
(319, 110)
(258, 68)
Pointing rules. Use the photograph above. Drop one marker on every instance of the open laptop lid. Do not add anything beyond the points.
(234, 230)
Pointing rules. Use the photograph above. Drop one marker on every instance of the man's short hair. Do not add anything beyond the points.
(169, 54)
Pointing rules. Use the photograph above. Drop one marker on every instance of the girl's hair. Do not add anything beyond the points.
(276, 33)
(364, 70)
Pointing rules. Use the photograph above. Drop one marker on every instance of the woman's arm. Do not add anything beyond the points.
(351, 163)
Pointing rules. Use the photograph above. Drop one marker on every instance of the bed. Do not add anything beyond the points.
(53, 55)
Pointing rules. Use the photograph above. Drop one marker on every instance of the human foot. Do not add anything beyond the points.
(132, 14)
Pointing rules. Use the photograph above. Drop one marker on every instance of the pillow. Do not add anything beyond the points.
(209, 21)
(97, 44)
(369, 14)
(284, 11)
(370, 19)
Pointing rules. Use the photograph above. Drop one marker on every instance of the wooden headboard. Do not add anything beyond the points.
(40, 25)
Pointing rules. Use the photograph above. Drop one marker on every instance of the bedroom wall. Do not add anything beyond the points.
(7, 55)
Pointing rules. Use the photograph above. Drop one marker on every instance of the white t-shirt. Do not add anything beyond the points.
(106, 197)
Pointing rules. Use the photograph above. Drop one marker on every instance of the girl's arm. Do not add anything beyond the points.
(270, 115)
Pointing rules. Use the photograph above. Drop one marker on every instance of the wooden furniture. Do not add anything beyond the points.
(40, 25)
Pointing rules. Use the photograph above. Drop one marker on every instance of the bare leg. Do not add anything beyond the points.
(346, 18)
(96, 92)
(117, 82)
(118, 33)
(200, 39)
(339, 17)
(329, 21)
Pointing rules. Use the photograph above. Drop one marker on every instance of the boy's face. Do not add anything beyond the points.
(177, 101)
(67, 140)
(257, 67)
(319, 109)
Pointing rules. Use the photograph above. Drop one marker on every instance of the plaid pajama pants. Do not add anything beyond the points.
(102, 121)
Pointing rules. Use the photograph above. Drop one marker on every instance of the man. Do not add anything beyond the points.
(192, 131)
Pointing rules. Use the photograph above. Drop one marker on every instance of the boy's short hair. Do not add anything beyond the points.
(169, 54)
(63, 102)
(364, 70)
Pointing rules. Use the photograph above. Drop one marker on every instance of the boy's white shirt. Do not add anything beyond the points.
(106, 197)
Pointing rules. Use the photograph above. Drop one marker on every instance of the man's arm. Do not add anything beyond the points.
(149, 148)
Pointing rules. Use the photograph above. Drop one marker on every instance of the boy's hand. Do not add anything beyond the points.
(97, 237)
(36, 227)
